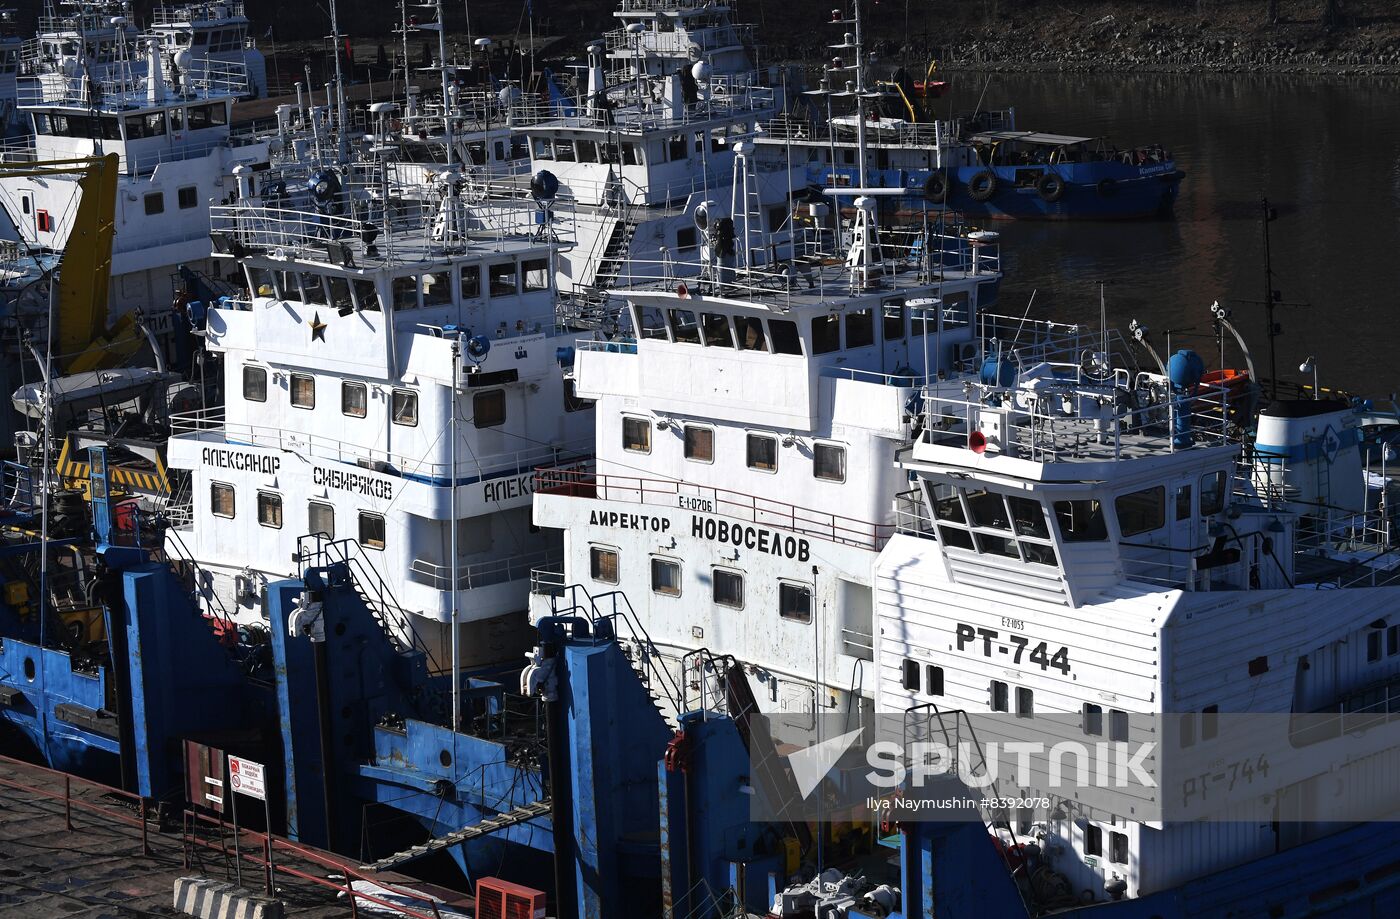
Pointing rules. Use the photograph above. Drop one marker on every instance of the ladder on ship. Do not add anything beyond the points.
(522, 814)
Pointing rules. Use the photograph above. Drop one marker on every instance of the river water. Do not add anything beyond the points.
(1325, 151)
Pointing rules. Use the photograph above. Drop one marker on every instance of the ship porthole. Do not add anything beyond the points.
(29, 671)
(445, 758)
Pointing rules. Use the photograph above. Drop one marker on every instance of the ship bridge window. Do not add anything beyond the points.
(826, 334)
(699, 443)
(255, 384)
(470, 276)
(155, 203)
(750, 329)
(188, 197)
(650, 322)
(783, 334)
(489, 408)
(437, 289)
(221, 500)
(366, 294)
(403, 408)
(405, 290)
(860, 328)
(1212, 493)
(544, 148)
(684, 328)
(1118, 848)
(340, 295)
(1183, 502)
(795, 601)
(1141, 511)
(535, 273)
(829, 462)
(270, 509)
(502, 279)
(1081, 520)
(636, 434)
(762, 452)
(1017, 525)
(893, 324)
(1027, 517)
(372, 530)
(313, 289)
(587, 151)
(687, 239)
(177, 119)
(631, 154)
(564, 150)
(716, 329)
(320, 519)
(260, 282)
(955, 310)
(676, 148)
(354, 399)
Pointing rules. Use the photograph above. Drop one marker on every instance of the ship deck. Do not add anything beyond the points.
(98, 869)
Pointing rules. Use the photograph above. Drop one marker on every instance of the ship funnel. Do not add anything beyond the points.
(1310, 452)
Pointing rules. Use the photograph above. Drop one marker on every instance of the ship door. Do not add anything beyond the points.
(29, 219)
(1184, 521)
(896, 333)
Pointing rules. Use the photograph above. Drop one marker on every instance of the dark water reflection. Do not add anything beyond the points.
(1326, 151)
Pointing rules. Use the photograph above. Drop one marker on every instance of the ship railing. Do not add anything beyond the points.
(127, 85)
(17, 485)
(480, 574)
(1356, 536)
(911, 516)
(211, 424)
(1359, 711)
(179, 14)
(30, 149)
(1034, 427)
(658, 6)
(573, 481)
(548, 580)
(721, 97)
(1170, 574)
(681, 41)
(904, 134)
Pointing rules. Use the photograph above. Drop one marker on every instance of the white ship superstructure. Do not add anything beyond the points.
(176, 157)
(210, 30)
(656, 131)
(1095, 544)
(11, 45)
(391, 385)
(746, 435)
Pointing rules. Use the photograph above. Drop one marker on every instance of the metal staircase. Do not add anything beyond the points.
(591, 310)
(486, 827)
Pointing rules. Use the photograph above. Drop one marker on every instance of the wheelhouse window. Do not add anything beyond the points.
(728, 588)
(254, 383)
(994, 524)
(651, 323)
(602, 564)
(716, 329)
(303, 390)
(1213, 493)
(489, 408)
(1081, 520)
(340, 295)
(502, 279)
(751, 337)
(535, 273)
(188, 197)
(666, 577)
(955, 310)
(221, 500)
(699, 443)
(762, 452)
(313, 289)
(354, 399)
(270, 509)
(784, 336)
(892, 325)
(155, 203)
(826, 334)
(403, 408)
(437, 289)
(860, 328)
(320, 519)
(405, 292)
(372, 530)
(636, 434)
(829, 462)
(684, 327)
(1141, 511)
(795, 601)
(471, 281)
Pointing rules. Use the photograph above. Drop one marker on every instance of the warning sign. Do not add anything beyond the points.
(246, 778)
